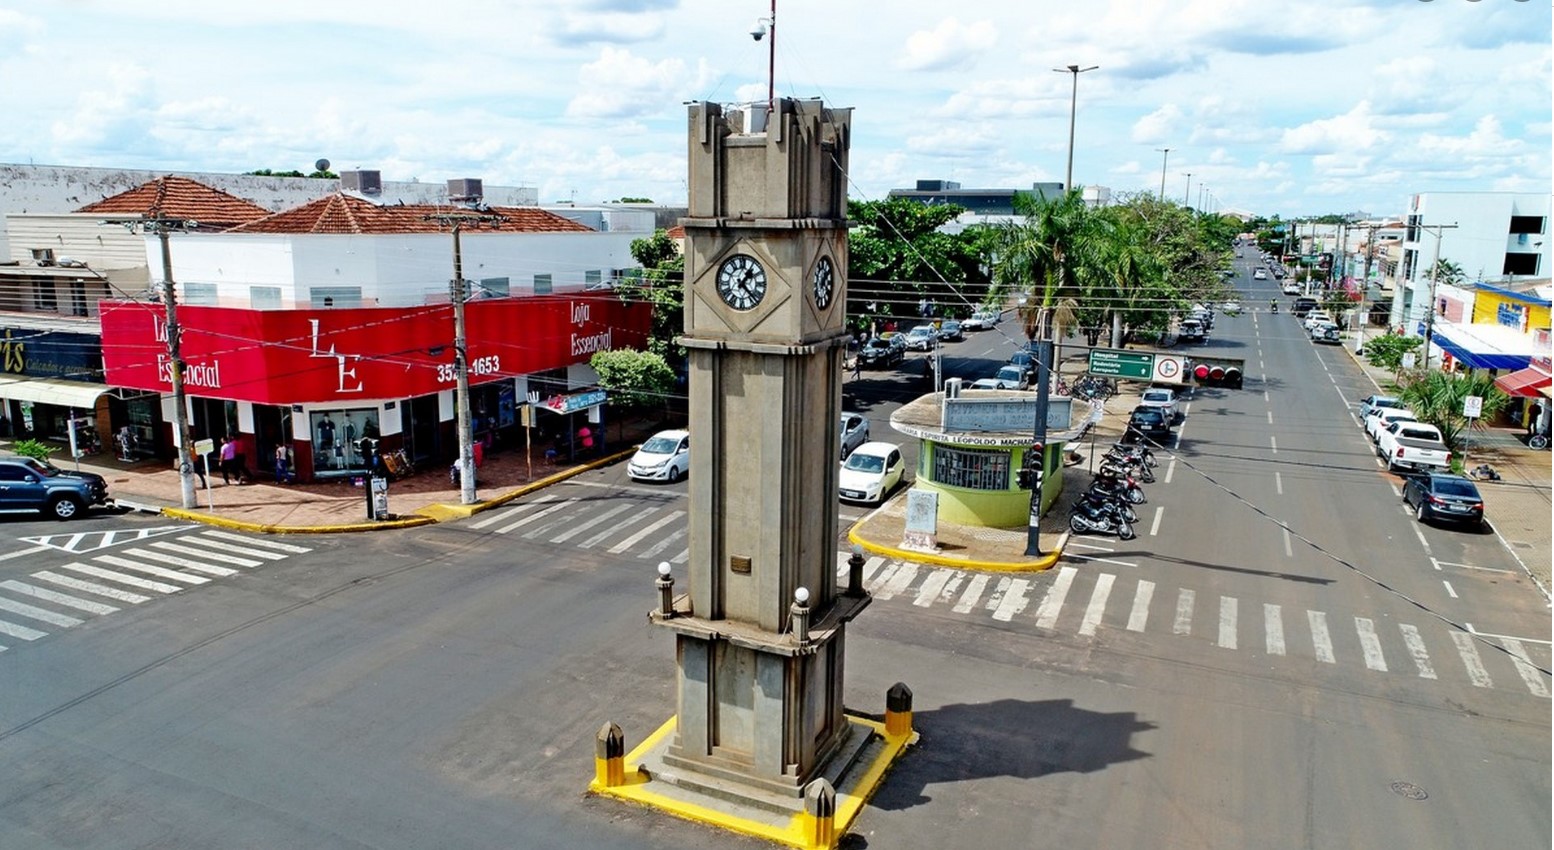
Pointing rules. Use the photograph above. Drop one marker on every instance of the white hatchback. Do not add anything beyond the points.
(1163, 399)
(871, 472)
(666, 456)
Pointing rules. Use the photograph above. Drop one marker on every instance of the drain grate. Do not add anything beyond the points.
(1409, 790)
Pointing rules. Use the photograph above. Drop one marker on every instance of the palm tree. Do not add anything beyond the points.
(1436, 398)
(1040, 257)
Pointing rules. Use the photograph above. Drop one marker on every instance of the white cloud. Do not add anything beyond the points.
(1157, 126)
(621, 84)
(949, 45)
(1354, 129)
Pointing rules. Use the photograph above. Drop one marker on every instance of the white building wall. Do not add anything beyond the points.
(1478, 244)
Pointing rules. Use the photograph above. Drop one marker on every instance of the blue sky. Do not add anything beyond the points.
(1273, 107)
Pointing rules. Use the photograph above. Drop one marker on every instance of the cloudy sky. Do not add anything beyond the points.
(1275, 107)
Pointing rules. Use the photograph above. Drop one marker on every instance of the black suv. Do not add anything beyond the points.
(28, 484)
(1149, 423)
(880, 352)
(1303, 306)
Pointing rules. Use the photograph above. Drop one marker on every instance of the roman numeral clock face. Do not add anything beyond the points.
(741, 282)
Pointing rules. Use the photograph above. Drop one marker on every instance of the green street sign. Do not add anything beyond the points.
(1112, 363)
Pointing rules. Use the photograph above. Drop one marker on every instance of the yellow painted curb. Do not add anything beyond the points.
(443, 512)
(638, 785)
(263, 528)
(1045, 562)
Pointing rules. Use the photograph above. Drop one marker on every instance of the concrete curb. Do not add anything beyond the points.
(1045, 562)
(442, 512)
(264, 528)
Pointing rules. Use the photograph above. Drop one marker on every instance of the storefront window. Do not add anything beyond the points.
(337, 436)
(974, 469)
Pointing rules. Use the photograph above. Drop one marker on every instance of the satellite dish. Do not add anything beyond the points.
(321, 165)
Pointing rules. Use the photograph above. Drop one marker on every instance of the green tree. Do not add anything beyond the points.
(1039, 258)
(1436, 398)
(898, 259)
(1387, 350)
(636, 380)
(661, 283)
(1446, 272)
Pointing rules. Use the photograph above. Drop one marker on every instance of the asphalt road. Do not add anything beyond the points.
(441, 687)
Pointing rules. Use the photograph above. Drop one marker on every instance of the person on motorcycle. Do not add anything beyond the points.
(1273, 306)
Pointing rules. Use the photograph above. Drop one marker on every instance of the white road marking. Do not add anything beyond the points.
(1170, 470)
(672, 539)
(1139, 616)
(21, 632)
(635, 538)
(1416, 648)
(91, 587)
(1321, 641)
(1052, 603)
(1422, 541)
(1398, 492)
(1270, 417)
(1471, 567)
(1097, 607)
(617, 528)
(1183, 623)
(1450, 591)
(263, 544)
(150, 570)
(123, 578)
(1273, 627)
(1525, 667)
(1474, 631)
(1274, 443)
(1265, 395)
(1278, 483)
(1227, 622)
(898, 582)
(682, 556)
(539, 514)
(23, 552)
(1289, 551)
(871, 566)
(947, 592)
(1074, 556)
(929, 590)
(1434, 562)
(42, 615)
(969, 597)
(1014, 600)
(502, 516)
(57, 598)
(1465, 648)
(587, 524)
(204, 555)
(1356, 419)
(222, 546)
(1154, 527)
(1370, 644)
(209, 569)
(997, 596)
(885, 575)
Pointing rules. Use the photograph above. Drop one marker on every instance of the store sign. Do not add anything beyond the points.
(1509, 315)
(1009, 415)
(323, 356)
(50, 354)
(573, 402)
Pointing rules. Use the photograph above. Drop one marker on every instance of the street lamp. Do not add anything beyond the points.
(1187, 192)
(1165, 154)
(1073, 103)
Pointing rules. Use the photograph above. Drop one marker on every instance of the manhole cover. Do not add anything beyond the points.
(1409, 790)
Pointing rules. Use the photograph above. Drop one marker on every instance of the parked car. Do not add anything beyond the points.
(880, 352)
(1231, 308)
(922, 338)
(1371, 403)
(1191, 330)
(1290, 287)
(1384, 417)
(1148, 423)
(980, 321)
(1026, 362)
(1328, 333)
(1412, 445)
(1007, 378)
(666, 456)
(1440, 496)
(855, 432)
(951, 331)
(1302, 306)
(1259, 274)
(1315, 318)
(1163, 399)
(28, 484)
(871, 472)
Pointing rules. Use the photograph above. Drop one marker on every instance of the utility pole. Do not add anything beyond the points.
(1365, 287)
(1165, 156)
(1187, 192)
(1435, 264)
(459, 293)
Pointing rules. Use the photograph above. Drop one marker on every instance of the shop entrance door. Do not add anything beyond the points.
(423, 429)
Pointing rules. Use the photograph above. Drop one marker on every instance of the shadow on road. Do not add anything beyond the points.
(1008, 738)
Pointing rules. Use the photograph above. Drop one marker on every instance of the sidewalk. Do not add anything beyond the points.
(339, 506)
(1519, 505)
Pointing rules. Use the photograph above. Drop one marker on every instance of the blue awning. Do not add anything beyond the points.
(1483, 346)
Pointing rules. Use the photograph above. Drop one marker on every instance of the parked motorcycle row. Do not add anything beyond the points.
(1106, 507)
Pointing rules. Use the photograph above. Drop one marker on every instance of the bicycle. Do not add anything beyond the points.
(398, 464)
(1538, 442)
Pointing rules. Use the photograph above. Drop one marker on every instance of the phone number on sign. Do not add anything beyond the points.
(446, 373)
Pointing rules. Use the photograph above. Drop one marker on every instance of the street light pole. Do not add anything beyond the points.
(1187, 192)
(1165, 155)
(1073, 105)
(175, 368)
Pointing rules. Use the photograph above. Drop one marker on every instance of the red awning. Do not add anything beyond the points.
(1524, 383)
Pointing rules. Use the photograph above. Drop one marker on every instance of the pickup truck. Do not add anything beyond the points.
(1412, 445)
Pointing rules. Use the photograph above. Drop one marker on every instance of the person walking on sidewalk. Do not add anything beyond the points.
(197, 463)
(229, 461)
(282, 462)
(1534, 417)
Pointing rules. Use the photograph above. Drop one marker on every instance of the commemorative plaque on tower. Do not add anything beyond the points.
(760, 617)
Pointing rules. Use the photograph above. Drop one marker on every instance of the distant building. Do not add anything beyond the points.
(989, 206)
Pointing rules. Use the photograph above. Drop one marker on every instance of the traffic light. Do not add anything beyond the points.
(1026, 478)
(1217, 372)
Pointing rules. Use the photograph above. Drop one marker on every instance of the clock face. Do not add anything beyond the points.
(741, 282)
(823, 281)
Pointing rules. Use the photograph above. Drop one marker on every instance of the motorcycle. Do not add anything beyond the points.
(1118, 469)
(1099, 517)
(1128, 453)
(1120, 505)
(1273, 307)
(1122, 486)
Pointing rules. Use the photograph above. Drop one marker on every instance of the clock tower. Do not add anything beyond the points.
(760, 628)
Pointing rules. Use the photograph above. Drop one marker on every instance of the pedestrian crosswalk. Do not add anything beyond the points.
(1405, 649)
(64, 596)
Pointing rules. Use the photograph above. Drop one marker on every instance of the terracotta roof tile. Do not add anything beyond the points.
(676, 232)
(344, 213)
(181, 198)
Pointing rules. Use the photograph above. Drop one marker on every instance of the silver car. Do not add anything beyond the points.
(855, 432)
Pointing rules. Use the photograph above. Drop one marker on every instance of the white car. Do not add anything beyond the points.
(870, 473)
(1259, 274)
(666, 456)
(980, 321)
(1163, 399)
(855, 432)
(1317, 318)
(1007, 378)
(1290, 288)
(1386, 416)
(1230, 308)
